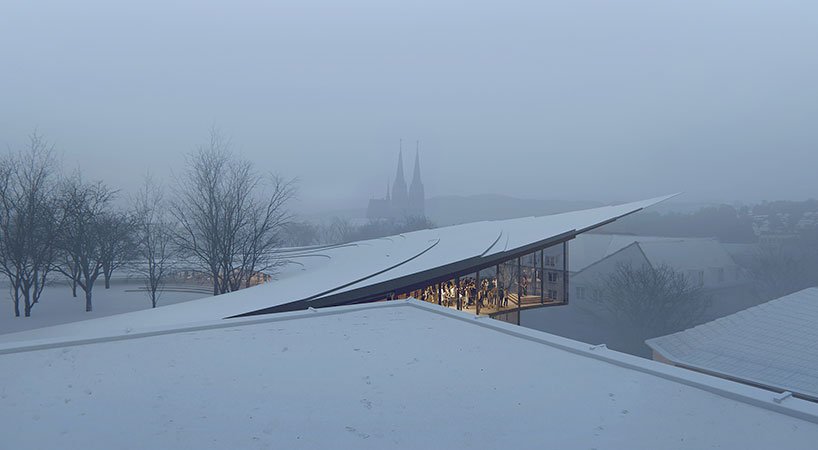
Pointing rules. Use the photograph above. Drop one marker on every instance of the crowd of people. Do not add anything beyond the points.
(485, 293)
(490, 293)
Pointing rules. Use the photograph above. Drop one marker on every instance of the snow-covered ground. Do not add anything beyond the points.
(57, 306)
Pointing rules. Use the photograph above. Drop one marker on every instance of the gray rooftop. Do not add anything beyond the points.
(771, 345)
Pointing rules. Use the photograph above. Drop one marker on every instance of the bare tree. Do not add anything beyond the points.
(648, 301)
(301, 234)
(338, 232)
(84, 208)
(507, 280)
(73, 270)
(778, 270)
(118, 247)
(262, 235)
(228, 221)
(154, 239)
(28, 221)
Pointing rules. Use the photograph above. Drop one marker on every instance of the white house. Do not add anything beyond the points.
(704, 262)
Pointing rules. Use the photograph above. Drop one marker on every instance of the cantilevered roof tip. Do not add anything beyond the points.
(360, 271)
(410, 258)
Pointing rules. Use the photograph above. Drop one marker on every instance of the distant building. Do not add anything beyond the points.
(703, 261)
(400, 202)
(595, 257)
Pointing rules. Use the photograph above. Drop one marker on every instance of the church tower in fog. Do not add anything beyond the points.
(401, 202)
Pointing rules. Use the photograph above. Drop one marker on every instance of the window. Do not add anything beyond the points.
(552, 294)
(581, 292)
(552, 277)
(550, 261)
(696, 277)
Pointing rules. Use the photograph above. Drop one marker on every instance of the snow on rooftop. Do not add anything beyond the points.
(773, 344)
(686, 254)
(400, 374)
(679, 253)
(321, 272)
(589, 248)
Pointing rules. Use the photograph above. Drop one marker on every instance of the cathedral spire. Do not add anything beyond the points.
(400, 195)
(417, 196)
(399, 176)
(416, 174)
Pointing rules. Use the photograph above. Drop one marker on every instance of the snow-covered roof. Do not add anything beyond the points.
(679, 253)
(685, 254)
(772, 345)
(589, 248)
(341, 274)
(401, 374)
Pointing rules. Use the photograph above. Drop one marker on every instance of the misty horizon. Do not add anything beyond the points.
(591, 101)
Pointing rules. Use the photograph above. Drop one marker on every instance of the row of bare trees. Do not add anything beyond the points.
(340, 230)
(222, 217)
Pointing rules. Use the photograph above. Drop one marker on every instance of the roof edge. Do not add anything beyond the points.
(793, 407)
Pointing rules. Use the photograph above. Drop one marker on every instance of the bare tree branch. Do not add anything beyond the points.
(154, 239)
(85, 208)
(229, 220)
(28, 222)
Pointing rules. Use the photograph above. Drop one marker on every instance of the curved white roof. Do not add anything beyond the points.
(333, 275)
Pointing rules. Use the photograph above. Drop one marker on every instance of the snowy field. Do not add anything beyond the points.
(57, 306)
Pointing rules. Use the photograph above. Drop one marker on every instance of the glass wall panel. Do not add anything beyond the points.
(555, 274)
(531, 280)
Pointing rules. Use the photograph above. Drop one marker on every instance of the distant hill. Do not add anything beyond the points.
(454, 209)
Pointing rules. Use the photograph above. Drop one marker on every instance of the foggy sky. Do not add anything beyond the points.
(593, 100)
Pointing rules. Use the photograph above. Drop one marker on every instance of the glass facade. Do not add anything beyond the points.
(535, 279)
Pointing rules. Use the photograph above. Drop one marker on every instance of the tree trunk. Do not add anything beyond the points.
(88, 306)
(74, 287)
(27, 306)
(107, 281)
(16, 300)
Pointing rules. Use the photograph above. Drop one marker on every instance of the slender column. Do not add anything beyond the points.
(542, 276)
(499, 284)
(439, 293)
(565, 272)
(457, 293)
(519, 288)
(533, 282)
(477, 293)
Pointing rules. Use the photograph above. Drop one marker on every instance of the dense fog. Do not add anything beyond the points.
(588, 100)
(513, 109)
